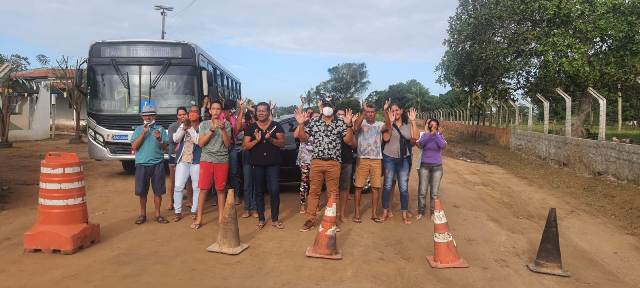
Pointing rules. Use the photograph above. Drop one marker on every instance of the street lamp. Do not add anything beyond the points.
(163, 11)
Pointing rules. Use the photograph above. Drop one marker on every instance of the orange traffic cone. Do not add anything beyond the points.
(445, 252)
(229, 234)
(325, 245)
(549, 260)
(63, 223)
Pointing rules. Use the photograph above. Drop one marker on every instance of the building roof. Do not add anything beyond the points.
(38, 73)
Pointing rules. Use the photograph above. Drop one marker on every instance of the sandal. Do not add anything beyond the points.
(246, 214)
(194, 215)
(195, 226)
(141, 219)
(356, 220)
(377, 220)
(178, 217)
(278, 225)
(260, 225)
(419, 216)
(161, 220)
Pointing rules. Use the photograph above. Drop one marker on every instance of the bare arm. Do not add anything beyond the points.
(138, 142)
(278, 141)
(226, 140)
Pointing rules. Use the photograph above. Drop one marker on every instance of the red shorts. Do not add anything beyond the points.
(213, 172)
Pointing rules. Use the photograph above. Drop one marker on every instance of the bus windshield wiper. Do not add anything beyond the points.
(163, 71)
(124, 79)
(156, 80)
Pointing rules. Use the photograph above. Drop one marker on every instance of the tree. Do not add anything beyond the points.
(16, 63)
(498, 47)
(43, 60)
(347, 80)
(65, 74)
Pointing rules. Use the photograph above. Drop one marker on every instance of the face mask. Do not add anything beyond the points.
(193, 116)
(327, 111)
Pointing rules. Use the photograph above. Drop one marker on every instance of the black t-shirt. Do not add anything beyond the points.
(264, 153)
(346, 154)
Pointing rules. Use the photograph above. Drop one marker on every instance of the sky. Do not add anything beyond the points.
(279, 49)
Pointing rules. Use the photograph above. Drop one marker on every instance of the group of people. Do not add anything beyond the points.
(206, 144)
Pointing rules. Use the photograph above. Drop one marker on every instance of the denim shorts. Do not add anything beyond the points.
(153, 175)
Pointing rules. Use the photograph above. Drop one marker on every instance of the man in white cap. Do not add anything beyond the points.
(149, 142)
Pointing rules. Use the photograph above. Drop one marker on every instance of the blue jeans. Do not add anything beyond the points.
(430, 176)
(270, 175)
(249, 193)
(234, 168)
(396, 168)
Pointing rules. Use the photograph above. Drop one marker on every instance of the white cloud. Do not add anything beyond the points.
(408, 30)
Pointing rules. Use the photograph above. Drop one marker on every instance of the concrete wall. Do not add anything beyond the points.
(621, 161)
(64, 114)
(593, 157)
(39, 118)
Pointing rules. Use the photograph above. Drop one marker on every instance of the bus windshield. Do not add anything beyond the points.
(109, 94)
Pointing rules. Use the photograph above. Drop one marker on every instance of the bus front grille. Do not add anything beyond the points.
(127, 122)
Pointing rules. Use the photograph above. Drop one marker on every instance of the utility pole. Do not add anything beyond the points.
(163, 11)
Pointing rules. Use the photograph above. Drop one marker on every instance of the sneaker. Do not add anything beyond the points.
(307, 226)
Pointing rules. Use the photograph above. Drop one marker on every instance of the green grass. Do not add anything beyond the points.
(611, 131)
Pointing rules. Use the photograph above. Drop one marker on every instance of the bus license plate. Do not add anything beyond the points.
(120, 137)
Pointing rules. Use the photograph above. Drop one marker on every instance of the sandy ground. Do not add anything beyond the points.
(496, 217)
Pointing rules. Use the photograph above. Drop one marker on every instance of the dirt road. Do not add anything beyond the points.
(496, 217)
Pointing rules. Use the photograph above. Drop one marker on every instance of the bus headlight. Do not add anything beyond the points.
(99, 139)
(92, 134)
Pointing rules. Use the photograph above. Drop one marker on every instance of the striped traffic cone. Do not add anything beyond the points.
(325, 245)
(445, 252)
(63, 223)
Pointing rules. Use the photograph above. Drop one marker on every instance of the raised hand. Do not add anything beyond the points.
(319, 103)
(300, 116)
(221, 125)
(214, 124)
(353, 121)
(257, 134)
(348, 116)
(364, 104)
(392, 116)
(412, 114)
(387, 104)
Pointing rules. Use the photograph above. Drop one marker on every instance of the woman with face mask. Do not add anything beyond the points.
(187, 162)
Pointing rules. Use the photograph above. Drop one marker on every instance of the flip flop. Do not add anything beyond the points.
(377, 220)
(177, 218)
(161, 220)
(141, 219)
(260, 225)
(195, 226)
(356, 220)
(278, 225)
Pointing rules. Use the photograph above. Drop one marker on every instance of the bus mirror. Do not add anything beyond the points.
(205, 82)
(78, 78)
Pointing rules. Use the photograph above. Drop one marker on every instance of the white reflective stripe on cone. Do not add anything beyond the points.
(442, 237)
(63, 202)
(439, 217)
(331, 210)
(47, 170)
(71, 185)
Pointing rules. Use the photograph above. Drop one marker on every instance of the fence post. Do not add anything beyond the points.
(602, 125)
(530, 116)
(517, 113)
(545, 104)
(567, 120)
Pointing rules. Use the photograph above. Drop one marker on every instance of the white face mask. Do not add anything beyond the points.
(327, 111)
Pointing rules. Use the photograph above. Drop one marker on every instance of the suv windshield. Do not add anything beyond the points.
(109, 95)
